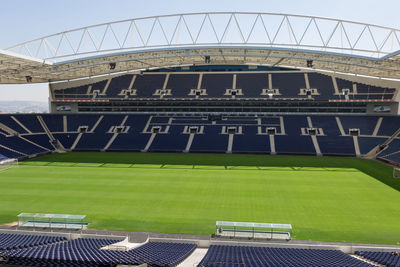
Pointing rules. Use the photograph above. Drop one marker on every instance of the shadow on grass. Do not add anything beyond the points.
(376, 169)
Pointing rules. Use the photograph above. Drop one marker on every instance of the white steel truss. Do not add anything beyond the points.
(223, 29)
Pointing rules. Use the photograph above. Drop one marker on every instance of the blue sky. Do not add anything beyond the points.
(24, 20)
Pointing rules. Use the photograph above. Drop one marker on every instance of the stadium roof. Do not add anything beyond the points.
(268, 39)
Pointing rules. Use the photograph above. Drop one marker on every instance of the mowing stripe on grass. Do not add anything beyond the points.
(330, 199)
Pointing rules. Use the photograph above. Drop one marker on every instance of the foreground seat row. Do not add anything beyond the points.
(37, 250)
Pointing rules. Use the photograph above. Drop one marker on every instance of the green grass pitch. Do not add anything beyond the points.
(329, 199)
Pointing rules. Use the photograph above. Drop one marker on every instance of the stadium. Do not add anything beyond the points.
(205, 139)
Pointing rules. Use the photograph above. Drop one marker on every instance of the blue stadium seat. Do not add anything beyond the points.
(210, 141)
(147, 84)
(384, 258)
(20, 241)
(2, 157)
(135, 137)
(252, 84)
(98, 139)
(324, 85)
(174, 140)
(117, 84)
(366, 124)
(289, 84)
(227, 256)
(86, 252)
(53, 122)
(180, 84)
(9, 122)
(216, 84)
(250, 141)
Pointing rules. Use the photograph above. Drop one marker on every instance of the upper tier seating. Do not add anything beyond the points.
(323, 83)
(289, 85)
(146, 85)
(216, 85)
(80, 92)
(226, 256)
(181, 84)
(252, 84)
(117, 84)
(74, 92)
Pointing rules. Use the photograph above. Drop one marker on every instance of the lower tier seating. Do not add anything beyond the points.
(2, 157)
(391, 259)
(87, 252)
(38, 250)
(236, 134)
(226, 256)
(16, 241)
(394, 158)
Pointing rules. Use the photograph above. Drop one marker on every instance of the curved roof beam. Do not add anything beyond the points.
(223, 29)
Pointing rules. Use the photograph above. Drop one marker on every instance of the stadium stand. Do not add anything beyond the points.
(38, 250)
(87, 252)
(17, 241)
(216, 84)
(394, 158)
(161, 98)
(389, 125)
(250, 141)
(2, 157)
(251, 84)
(224, 256)
(117, 85)
(182, 84)
(368, 143)
(288, 84)
(147, 84)
(149, 132)
(391, 259)
(19, 145)
(393, 147)
(391, 153)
